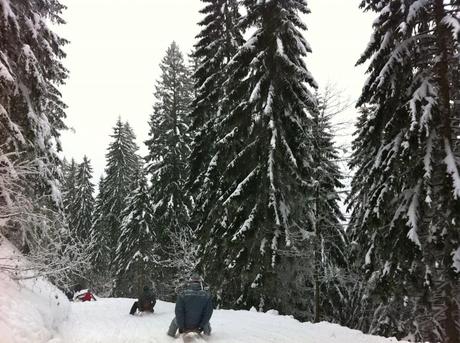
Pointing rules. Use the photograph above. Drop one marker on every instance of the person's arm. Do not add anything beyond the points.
(180, 313)
(207, 313)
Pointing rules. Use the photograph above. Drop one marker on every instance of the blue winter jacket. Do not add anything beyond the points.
(193, 307)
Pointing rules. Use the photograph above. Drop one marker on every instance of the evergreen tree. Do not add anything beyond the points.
(31, 117)
(217, 43)
(122, 167)
(69, 186)
(135, 257)
(83, 205)
(255, 217)
(405, 193)
(101, 248)
(130, 139)
(169, 147)
(330, 243)
(78, 203)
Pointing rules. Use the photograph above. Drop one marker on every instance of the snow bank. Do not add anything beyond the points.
(108, 321)
(31, 310)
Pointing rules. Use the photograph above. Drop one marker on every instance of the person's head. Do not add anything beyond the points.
(195, 278)
(195, 281)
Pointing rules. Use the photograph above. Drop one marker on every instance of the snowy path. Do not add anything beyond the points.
(108, 321)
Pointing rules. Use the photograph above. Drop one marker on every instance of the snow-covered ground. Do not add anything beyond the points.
(108, 320)
(33, 311)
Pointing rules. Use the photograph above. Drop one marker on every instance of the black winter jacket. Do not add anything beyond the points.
(193, 307)
(147, 297)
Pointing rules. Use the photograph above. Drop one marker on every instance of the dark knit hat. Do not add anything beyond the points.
(195, 278)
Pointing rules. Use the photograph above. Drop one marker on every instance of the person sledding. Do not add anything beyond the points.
(193, 309)
(84, 295)
(145, 303)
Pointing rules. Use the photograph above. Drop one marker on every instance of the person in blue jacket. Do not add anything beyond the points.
(193, 309)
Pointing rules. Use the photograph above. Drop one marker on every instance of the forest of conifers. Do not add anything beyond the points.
(242, 181)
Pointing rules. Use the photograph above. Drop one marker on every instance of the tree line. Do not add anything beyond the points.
(241, 181)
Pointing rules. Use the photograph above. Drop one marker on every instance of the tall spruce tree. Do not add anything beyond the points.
(255, 216)
(135, 256)
(169, 147)
(70, 171)
(217, 43)
(100, 248)
(118, 183)
(330, 242)
(83, 204)
(405, 194)
(31, 117)
(78, 203)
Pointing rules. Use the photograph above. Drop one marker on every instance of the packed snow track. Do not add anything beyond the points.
(108, 321)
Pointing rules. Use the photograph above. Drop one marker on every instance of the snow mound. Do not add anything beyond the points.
(108, 321)
(31, 310)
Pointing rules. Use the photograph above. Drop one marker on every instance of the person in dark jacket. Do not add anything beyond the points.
(146, 301)
(193, 309)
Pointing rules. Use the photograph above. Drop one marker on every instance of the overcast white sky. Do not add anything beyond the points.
(117, 45)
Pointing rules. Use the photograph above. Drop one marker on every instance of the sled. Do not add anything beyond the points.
(146, 309)
(192, 337)
(144, 313)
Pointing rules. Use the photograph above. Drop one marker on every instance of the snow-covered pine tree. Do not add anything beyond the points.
(255, 215)
(100, 275)
(31, 115)
(131, 139)
(78, 201)
(330, 241)
(135, 256)
(83, 203)
(70, 171)
(217, 43)
(169, 146)
(405, 194)
(122, 167)
(31, 118)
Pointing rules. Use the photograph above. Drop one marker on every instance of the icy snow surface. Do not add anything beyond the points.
(107, 320)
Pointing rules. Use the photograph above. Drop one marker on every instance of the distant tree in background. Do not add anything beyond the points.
(118, 183)
(406, 190)
(78, 200)
(70, 171)
(83, 206)
(99, 274)
(135, 256)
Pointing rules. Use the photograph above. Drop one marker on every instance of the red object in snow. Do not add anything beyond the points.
(87, 297)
